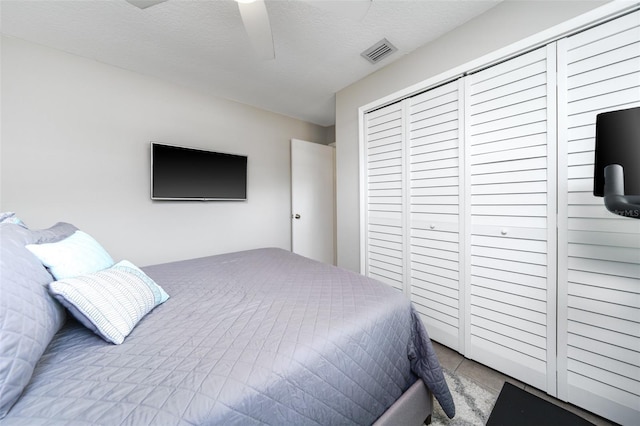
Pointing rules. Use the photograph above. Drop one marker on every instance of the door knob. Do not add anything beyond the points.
(297, 216)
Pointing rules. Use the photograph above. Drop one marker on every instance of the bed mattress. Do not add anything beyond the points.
(256, 337)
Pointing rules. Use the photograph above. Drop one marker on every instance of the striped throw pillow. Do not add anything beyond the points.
(110, 302)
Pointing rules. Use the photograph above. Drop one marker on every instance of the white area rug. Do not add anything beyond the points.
(473, 403)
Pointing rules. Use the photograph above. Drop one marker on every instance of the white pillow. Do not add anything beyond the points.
(110, 302)
(75, 255)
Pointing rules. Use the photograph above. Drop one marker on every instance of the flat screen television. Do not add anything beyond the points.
(179, 173)
(618, 142)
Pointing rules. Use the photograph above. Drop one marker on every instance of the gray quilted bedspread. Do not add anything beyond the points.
(255, 337)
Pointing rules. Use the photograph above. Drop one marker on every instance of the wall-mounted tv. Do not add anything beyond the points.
(179, 173)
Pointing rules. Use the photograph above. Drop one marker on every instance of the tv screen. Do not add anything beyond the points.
(618, 142)
(179, 173)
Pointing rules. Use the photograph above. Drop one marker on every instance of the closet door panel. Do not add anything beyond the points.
(512, 359)
(384, 188)
(434, 210)
(510, 161)
(599, 252)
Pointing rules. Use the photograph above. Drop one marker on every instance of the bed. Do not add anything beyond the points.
(255, 337)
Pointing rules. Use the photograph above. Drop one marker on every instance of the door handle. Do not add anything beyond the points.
(297, 216)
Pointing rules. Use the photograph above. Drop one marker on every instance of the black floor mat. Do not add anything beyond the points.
(516, 406)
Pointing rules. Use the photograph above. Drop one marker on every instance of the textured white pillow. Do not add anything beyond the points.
(75, 255)
(110, 302)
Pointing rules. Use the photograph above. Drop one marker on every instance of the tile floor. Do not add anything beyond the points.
(492, 380)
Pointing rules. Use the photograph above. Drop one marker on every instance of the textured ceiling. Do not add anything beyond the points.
(202, 44)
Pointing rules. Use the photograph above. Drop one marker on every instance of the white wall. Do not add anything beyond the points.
(501, 26)
(75, 147)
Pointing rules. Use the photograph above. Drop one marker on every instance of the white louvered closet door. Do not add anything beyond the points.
(599, 252)
(384, 201)
(435, 132)
(510, 230)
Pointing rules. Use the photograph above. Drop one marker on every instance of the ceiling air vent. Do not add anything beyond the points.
(379, 51)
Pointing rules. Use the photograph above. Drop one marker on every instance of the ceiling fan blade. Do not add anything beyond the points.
(143, 4)
(256, 23)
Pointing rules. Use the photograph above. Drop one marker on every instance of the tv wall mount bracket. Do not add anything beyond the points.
(614, 198)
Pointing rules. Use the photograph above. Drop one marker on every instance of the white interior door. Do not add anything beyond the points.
(313, 200)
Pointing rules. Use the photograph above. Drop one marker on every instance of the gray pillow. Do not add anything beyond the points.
(10, 217)
(57, 232)
(29, 316)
